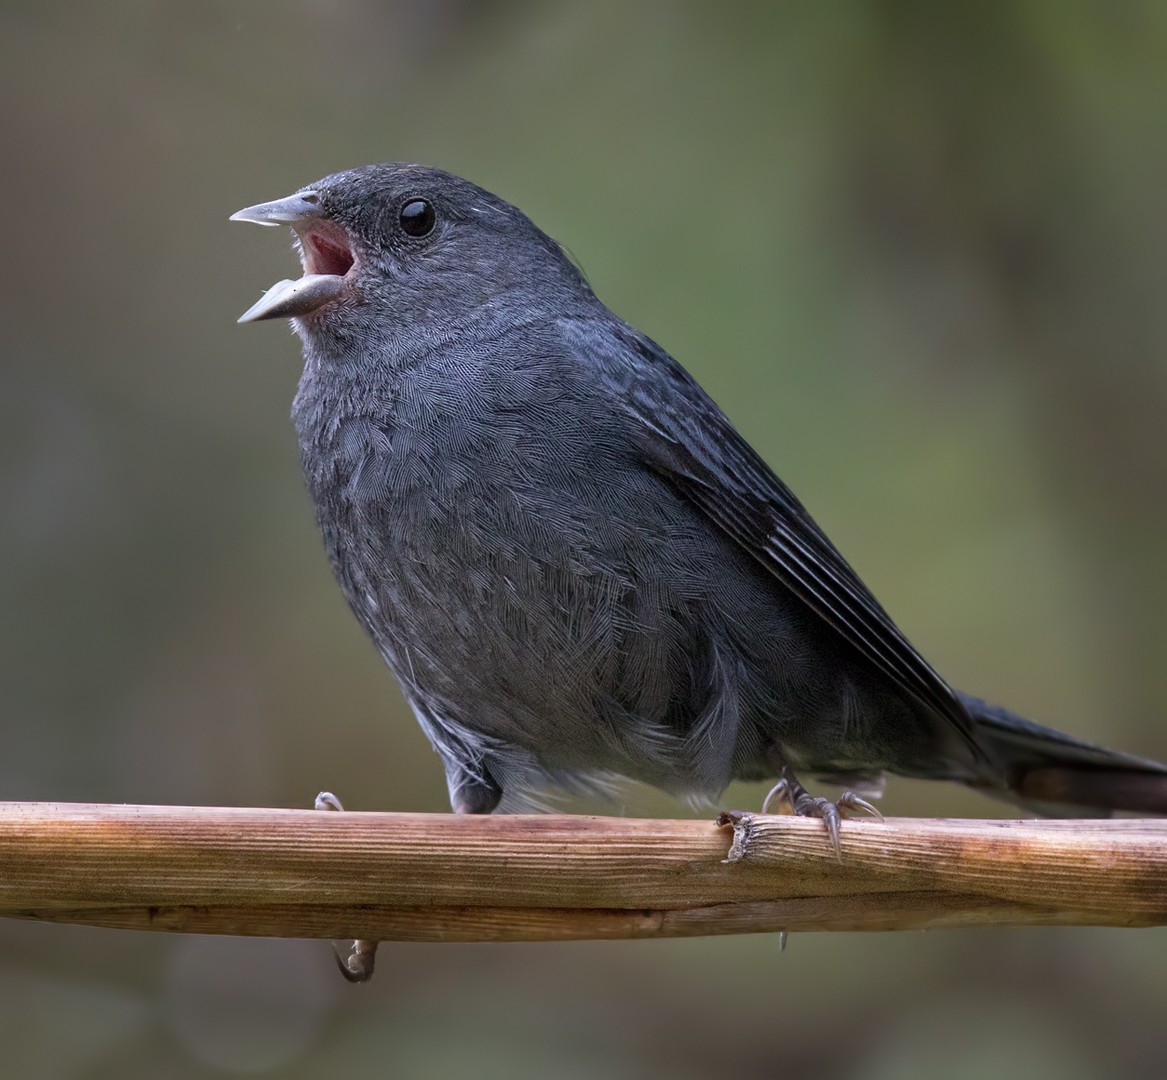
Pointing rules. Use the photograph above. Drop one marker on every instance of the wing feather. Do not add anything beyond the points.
(686, 439)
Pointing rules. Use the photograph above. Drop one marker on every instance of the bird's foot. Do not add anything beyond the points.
(801, 802)
(354, 958)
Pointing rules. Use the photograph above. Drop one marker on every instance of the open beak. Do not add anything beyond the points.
(325, 252)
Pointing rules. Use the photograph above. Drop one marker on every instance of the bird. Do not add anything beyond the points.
(577, 568)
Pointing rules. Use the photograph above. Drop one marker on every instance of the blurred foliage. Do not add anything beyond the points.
(915, 250)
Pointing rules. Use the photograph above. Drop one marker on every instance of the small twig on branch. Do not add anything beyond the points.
(438, 877)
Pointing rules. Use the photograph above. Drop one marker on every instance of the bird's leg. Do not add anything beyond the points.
(790, 790)
(354, 958)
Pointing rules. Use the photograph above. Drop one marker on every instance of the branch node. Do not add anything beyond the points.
(743, 831)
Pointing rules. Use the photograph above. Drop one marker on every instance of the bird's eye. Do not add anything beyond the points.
(417, 217)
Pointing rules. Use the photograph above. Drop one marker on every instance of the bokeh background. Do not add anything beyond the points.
(915, 250)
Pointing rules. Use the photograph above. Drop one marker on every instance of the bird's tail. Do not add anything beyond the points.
(1056, 775)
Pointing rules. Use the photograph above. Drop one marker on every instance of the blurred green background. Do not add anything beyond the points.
(917, 253)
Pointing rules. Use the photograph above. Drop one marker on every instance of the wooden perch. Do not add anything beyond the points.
(437, 877)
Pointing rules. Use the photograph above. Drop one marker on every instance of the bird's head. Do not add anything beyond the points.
(403, 250)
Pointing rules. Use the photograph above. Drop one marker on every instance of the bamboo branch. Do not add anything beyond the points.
(437, 877)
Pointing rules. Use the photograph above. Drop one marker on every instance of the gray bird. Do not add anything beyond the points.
(575, 566)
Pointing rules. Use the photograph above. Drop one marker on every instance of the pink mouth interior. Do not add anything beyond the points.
(325, 250)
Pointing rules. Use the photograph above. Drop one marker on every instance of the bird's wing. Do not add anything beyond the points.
(685, 437)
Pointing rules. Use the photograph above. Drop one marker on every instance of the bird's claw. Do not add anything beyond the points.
(354, 958)
(850, 801)
(802, 803)
(327, 801)
(780, 790)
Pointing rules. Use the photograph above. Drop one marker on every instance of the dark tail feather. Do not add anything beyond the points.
(1058, 776)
